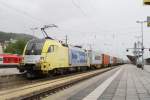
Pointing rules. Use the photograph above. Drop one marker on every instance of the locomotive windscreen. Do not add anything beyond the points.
(34, 47)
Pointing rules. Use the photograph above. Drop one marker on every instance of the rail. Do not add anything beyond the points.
(40, 88)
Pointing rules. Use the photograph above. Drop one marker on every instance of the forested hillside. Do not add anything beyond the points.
(7, 36)
(14, 47)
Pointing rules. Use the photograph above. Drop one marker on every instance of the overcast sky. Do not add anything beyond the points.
(108, 25)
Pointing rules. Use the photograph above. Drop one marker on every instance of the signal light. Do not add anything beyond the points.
(148, 21)
(147, 2)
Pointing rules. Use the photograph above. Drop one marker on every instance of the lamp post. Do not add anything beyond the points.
(142, 22)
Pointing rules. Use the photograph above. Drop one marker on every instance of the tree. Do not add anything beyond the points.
(16, 48)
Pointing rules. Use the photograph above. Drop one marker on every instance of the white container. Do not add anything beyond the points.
(95, 58)
(77, 57)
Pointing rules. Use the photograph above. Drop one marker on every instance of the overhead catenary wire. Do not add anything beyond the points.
(24, 13)
(78, 6)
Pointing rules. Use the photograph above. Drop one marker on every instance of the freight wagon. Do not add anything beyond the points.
(95, 59)
(77, 57)
(114, 61)
(105, 60)
(120, 61)
(111, 61)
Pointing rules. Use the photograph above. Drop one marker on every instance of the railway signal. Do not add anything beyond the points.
(148, 21)
(146, 2)
(138, 51)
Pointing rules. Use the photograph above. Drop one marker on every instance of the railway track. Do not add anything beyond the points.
(7, 79)
(40, 89)
(9, 76)
(19, 80)
(10, 81)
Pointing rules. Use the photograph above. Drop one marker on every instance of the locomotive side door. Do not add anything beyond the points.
(51, 58)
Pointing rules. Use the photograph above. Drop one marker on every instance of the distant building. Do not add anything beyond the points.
(6, 43)
(12, 40)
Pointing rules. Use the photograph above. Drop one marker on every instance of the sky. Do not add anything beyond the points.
(108, 26)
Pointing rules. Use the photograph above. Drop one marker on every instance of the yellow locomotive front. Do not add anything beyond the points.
(42, 56)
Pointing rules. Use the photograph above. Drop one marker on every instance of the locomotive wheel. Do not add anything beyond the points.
(30, 75)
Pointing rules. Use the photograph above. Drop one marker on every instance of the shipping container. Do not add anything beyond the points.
(105, 60)
(119, 61)
(114, 60)
(95, 58)
(77, 57)
(111, 60)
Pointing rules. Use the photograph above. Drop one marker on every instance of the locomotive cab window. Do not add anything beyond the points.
(34, 47)
(52, 48)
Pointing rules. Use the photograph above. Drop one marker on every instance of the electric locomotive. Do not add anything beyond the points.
(46, 56)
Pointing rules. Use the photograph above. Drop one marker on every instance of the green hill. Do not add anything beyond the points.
(5, 36)
(16, 47)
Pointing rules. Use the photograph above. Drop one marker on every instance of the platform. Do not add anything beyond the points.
(124, 83)
(8, 71)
